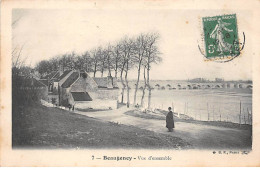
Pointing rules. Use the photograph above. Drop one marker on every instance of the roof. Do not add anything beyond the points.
(64, 74)
(32, 82)
(44, 81)
(81, 96)
(71, 79)
(79, 85)
(56, 76)
(51, 75)
(102, 82)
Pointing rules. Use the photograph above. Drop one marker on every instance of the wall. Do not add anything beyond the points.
(105, 94)
(55, 85)
(56, 97)
(65, 96)
(97, 104)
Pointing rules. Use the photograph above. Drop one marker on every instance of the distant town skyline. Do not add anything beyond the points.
(48, 33)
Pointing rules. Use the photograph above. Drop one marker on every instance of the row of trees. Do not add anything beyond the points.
(129, 53)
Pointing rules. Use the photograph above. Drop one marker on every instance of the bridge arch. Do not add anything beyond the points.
(157, 86)
(169, 86)
(249, 86)
(217, 86)
(207, 86)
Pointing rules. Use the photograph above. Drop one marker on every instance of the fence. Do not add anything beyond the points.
(213, 113)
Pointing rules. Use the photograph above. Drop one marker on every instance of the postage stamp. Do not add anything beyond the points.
(221, 36)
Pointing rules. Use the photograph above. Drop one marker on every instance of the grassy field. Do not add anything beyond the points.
(37, 127)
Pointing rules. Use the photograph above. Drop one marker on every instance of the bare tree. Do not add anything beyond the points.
(102, 58)
(63, 62)
(140, 45)
(122, 68)
(80, 62)
(125, 64)
(144, 88)
(95, 59)
(54, 63)
(152, 56)
(43, 67)
(86, 62)
(140, 52)
(128, 52)
(71, 57)
(108, 58)
(116, 55)
(17, 60)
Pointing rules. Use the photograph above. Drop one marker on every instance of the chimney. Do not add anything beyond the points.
(60, 69)
(109, 82)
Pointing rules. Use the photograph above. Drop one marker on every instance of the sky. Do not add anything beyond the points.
(46, 33)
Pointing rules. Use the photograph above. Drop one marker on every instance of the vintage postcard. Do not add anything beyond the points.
(130, 83)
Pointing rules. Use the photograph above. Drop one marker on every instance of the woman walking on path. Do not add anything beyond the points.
(169, 120)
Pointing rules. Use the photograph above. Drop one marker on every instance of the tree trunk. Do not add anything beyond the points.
(142, 99)
(116, 68)
(102, 69)
(127, 87)
(95, 69)
(123, 84)
(148, 84)
(116, 73)
(137, 82)
(109, 69)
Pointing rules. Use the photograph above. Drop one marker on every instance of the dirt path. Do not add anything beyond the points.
(199, 136)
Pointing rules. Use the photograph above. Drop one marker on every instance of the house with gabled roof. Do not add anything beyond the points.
(80, 90)
(52, 81)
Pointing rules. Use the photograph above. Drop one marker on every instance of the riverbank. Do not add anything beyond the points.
(200, 136)
(37, 126)
(203, 103)
(160, 115)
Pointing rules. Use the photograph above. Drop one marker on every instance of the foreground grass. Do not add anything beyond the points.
(37, 126)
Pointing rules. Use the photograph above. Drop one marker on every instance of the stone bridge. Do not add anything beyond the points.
(209, 85)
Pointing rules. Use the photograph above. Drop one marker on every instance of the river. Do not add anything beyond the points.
(203, 104)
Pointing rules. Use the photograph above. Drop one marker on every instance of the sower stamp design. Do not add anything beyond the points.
(221, 37)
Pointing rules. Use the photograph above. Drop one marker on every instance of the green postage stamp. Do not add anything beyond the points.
(221, 37)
